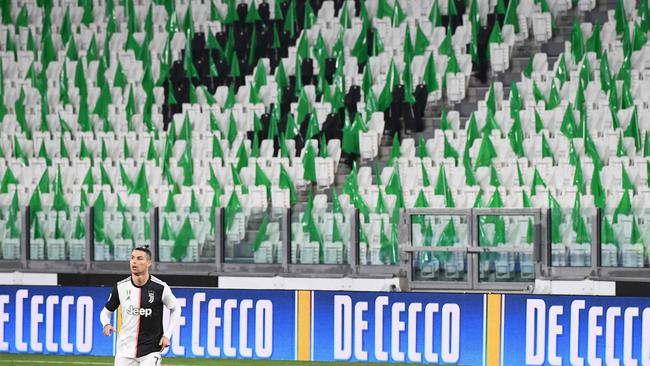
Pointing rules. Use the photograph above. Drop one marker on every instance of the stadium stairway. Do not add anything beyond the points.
(478, 90)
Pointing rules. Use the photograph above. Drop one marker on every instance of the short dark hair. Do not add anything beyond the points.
(145, 249)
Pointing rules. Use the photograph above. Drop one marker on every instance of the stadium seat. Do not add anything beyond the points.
(133, 103)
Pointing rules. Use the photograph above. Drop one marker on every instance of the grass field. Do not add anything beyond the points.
(23, 360)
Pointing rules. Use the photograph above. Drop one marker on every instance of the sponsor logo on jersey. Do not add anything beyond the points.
(151, 296)
(132, 310)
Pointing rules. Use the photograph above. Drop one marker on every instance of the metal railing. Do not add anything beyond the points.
(474, 260)
(450, 249)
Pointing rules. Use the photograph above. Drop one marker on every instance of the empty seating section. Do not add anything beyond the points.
(197, 121)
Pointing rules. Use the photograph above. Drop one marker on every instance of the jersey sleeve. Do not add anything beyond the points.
(168, 298)
(114, 300)
(171, 303)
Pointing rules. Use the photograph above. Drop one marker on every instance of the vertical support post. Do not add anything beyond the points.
(25, 254)
(90, 236)
(596, 243)
(538, 243)
(154, 229)
(472, 260)
(407, 260)
(354, 242)
(544, 260)
(91, 233)
(285, 237)
(220, 239)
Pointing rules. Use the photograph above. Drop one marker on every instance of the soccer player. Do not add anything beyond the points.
(141, 297)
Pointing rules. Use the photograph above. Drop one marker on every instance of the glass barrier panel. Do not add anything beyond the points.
(56, 235)
(118, 230)
(440, 266)
(378, 241)
(514, 237)
(440, 232)
(10, 232)
(321, 235)
(187, 234)
(571, 239)
(624, 237)
(253, 235)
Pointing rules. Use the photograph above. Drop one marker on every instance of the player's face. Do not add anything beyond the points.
(139, 262)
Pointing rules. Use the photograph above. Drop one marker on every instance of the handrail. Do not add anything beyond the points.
(542, 250)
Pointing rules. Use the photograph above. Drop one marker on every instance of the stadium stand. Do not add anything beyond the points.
(223, 131)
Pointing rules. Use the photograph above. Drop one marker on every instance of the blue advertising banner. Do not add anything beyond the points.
(398, 327)
(235, 324)
(49, 319)
(575, 330)
(214, 323)
(471, 329)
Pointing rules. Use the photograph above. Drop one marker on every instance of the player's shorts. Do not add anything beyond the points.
(152, 359)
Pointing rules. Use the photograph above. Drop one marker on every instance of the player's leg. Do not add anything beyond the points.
(125, 361)
(152, 359)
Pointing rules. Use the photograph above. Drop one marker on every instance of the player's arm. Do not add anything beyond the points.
(171, 303)
(111, 305)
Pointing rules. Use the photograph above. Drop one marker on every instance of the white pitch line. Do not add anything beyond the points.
(33, 362)
(55, 362)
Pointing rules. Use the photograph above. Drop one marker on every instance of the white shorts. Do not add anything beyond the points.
(152, 359)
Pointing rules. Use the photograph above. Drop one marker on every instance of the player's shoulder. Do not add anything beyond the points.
(124, 281)
(122, 285)
(157, 281)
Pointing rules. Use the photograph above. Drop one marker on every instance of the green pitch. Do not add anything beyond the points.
(25, 360)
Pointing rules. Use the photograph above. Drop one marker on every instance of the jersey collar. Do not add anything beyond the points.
(145, 283)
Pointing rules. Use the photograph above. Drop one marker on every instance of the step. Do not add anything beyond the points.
(519, 61)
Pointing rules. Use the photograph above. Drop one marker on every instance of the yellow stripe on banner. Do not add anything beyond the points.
(304, 326)
(493, 329)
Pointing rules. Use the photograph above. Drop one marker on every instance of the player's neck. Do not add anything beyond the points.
(140, 279)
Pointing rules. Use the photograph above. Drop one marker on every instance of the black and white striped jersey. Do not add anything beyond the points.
(141, 308)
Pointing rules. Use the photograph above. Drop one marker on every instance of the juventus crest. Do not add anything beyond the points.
(151, 297)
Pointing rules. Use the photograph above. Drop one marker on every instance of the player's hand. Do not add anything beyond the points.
(164, 343)
(108, 329)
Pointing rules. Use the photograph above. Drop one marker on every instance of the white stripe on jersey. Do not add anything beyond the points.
(127, 338)
(158, 281)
